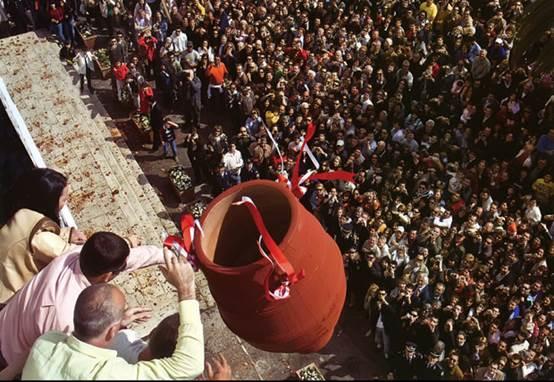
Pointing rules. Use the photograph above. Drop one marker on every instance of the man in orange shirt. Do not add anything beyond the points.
(216, 75)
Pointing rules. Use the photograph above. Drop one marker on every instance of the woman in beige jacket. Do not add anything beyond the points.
(32, 236)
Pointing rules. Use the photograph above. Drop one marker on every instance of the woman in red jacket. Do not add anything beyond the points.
(120, 71)
(146, 94)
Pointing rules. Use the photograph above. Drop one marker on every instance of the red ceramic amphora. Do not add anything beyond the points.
(229, 256)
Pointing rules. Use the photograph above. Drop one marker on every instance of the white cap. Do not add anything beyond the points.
(499, 41)
(340, 142)
(400, 228)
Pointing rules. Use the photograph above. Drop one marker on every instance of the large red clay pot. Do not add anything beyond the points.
(229, 257)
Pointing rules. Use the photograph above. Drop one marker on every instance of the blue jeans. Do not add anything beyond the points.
(173, 146)
(69, 30)
(57, 29)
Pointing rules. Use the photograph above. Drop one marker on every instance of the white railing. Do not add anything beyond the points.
(29, 144)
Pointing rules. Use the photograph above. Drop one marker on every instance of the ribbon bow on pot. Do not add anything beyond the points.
(282, 276)
(184, 245)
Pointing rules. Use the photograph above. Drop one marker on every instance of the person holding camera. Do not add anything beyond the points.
(148, 50)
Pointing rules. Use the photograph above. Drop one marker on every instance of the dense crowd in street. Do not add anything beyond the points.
(446, 230)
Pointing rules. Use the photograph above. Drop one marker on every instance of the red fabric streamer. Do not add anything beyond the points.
(188, 227)
(290, 276)
(295, 187)
(335, 175)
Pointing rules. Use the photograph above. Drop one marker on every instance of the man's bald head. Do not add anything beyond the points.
(98, 307)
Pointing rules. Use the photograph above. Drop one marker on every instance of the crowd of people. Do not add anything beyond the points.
(446, 230)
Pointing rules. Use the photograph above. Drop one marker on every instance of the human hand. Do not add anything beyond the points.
(77, 237)
(179, 273)
(138, 314)
(134, 241)
(221, 371)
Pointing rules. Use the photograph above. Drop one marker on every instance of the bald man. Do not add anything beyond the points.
(47, 301)
(99, 312)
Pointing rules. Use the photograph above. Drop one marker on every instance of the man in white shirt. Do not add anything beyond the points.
(398, 135)
(366, 101)
(444, 220)
(486, 200)
(520, 344)
(83, 64)
(179, 39)
(233, 163)
(533, 212)
(370, 247)
(191, 56)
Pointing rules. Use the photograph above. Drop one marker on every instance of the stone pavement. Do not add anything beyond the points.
(110, 192)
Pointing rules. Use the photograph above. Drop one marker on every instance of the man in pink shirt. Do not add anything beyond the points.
(47, 301)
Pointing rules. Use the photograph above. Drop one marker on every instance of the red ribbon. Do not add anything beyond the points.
(289, 276)
(295, 186)
(187, 228)
(334, 175)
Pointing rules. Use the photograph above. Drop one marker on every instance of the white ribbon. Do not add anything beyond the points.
(283, 291)
(244, 199)
(276, 146)
(311, 156)
(306, 176)
(197, 224)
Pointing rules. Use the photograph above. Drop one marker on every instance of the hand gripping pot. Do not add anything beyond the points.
(229, 255)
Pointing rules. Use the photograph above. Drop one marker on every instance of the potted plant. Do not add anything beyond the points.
(310, 373)
(87, 35)
(142, 123)
(197, 208)
(182, 183)
(103, 62)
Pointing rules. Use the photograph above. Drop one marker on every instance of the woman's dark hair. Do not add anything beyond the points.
(103, 252)
(163, 339)
(39, 190)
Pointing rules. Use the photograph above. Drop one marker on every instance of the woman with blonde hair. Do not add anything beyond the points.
(370, 295)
